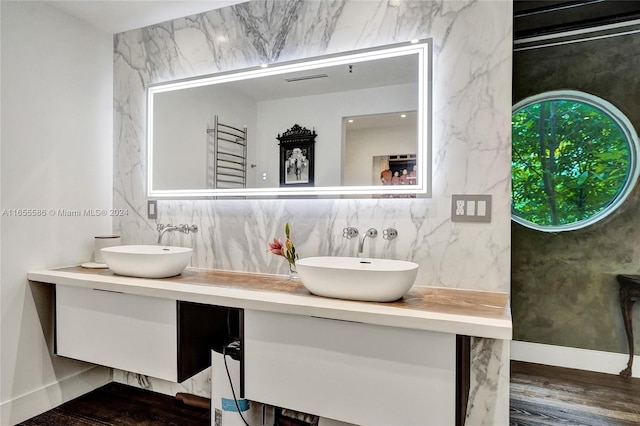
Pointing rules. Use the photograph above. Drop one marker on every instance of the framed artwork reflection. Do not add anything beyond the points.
(297, 156)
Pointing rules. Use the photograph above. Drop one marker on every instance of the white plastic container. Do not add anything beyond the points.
(224, 411)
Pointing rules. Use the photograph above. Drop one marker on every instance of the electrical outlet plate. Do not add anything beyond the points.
(471, 208)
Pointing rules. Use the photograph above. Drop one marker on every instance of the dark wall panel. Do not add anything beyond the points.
(564, 290)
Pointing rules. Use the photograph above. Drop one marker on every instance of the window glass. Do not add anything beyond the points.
(573, 160)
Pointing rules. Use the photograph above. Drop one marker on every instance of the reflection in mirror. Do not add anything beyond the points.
(296, 156)
(379, 146)
(203, 132)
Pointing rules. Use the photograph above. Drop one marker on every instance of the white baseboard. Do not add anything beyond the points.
(50, 396)
(581, 359)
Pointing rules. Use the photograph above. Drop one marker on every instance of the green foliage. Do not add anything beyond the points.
(569, 161)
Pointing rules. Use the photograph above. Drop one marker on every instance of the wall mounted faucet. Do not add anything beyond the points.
(371, 233)
(185, 229)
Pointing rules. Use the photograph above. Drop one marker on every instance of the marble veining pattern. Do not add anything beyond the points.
(488, 398)
(470, 138)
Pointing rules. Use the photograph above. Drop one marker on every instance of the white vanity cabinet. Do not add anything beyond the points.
(128, 332)
(156, 337)
(353, 372)
(398, 363)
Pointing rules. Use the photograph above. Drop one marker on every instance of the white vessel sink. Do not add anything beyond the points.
(371, 280)
(146, 261)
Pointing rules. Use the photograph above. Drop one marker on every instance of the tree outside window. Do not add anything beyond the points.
(573, 160)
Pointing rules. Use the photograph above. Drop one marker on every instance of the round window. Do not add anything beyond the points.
(573, 160)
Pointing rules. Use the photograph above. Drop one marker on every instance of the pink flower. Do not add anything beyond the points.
(275, 247)
(286, 250)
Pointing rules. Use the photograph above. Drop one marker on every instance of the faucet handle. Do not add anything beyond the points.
(350, 232)
(161, 226)
(184, 228)
(389, 234)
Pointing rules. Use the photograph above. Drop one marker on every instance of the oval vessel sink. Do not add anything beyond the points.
(146, 261)
(371, 280)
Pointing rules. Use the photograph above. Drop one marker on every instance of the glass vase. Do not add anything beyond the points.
(293, 272)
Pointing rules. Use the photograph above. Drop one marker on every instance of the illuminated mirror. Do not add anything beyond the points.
(218, 135)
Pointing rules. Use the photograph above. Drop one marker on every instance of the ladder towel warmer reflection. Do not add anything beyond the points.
(226, 156)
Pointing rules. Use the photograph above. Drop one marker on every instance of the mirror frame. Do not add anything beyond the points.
(423, 48)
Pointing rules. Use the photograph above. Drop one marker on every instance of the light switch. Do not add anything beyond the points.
(482, 208)
(152, 209)
(471, 208)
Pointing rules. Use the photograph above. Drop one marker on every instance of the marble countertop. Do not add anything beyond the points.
(465, 312)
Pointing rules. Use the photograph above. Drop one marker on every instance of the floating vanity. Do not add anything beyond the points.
(403, 362)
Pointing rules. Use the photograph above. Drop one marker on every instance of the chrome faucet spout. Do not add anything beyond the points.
(185, 229)
(371, 233)
(163, 230)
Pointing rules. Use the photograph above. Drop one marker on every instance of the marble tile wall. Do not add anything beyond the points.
(471, 129)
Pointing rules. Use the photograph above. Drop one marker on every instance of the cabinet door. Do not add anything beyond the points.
(128, 332)
(353, 372)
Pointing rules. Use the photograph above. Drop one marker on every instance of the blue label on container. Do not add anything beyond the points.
(230, 405)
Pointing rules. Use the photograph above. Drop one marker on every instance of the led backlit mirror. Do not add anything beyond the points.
(345, 125)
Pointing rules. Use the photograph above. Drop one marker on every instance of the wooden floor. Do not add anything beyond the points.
(121, 405)
(544, 395)
(540, 395)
